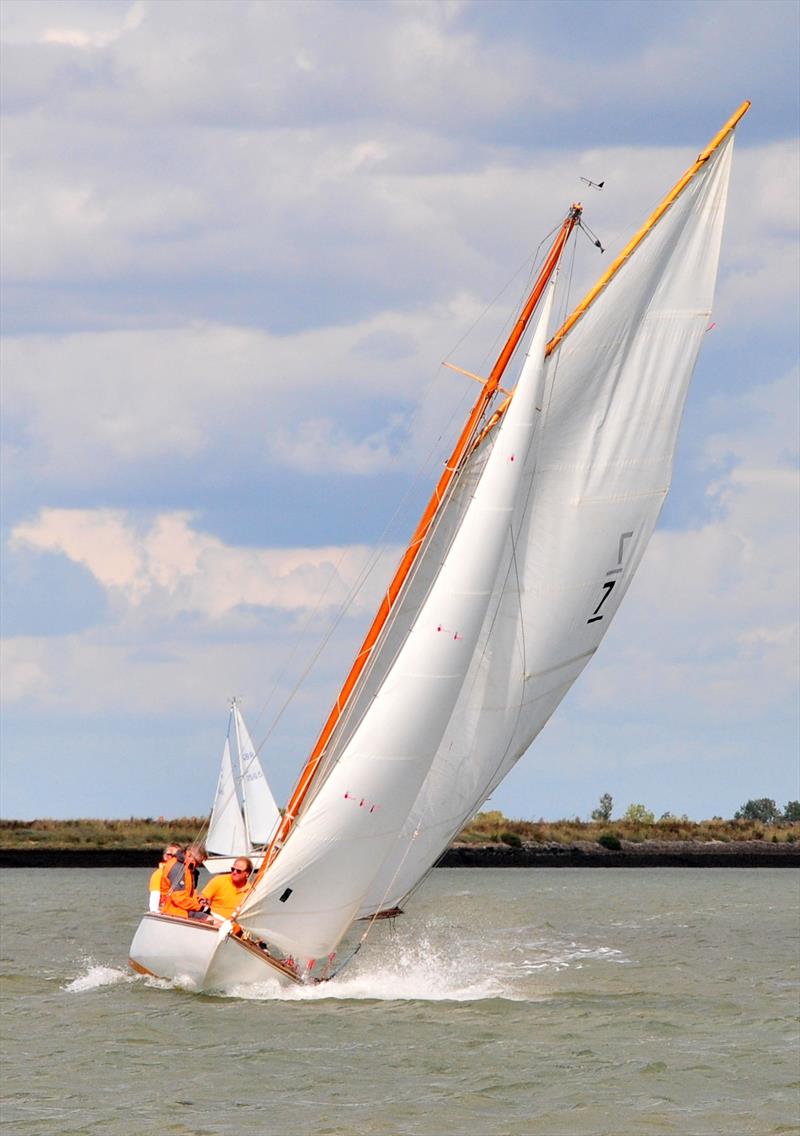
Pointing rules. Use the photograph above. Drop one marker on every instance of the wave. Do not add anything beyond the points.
(424, 972)
(94, 976)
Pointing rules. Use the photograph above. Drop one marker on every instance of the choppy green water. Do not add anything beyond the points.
(517, 1001)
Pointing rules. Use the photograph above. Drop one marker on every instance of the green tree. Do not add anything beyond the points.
(763, 809)
(603, 811)
(792, 812)
(638, 814)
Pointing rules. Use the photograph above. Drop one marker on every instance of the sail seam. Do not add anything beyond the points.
(560, 666)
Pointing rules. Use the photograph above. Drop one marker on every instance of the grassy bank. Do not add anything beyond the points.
(486, 828)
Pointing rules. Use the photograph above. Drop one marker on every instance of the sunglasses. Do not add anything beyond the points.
(239, 871)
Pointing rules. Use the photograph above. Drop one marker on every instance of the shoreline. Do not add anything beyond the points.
(581, 854)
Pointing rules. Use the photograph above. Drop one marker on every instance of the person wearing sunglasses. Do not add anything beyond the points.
(224, 893)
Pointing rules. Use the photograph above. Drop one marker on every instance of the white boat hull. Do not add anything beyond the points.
(201, 956)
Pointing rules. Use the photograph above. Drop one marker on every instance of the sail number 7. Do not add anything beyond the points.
(608, 585)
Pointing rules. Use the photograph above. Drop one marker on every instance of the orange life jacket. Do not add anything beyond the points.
(223, 895)
(159, 879)
(181, 892)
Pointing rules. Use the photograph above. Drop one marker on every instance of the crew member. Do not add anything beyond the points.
(158, 880)
(225, 892)
(182, 898)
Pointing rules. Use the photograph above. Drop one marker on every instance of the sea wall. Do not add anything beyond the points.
(585, 854)
(631, 854)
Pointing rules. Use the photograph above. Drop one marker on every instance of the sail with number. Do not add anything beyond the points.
(512, 577)
(598, 476)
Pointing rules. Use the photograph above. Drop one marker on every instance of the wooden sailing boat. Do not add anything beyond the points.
(244, 816)
(510, 581)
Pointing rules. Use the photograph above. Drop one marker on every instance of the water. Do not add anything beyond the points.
(515, 1001)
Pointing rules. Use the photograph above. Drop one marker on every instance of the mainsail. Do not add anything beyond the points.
(541, 531)
(598, 474)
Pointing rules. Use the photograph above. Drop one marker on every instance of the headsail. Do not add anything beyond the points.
(311, 894)
(261, 814)
(226, 831)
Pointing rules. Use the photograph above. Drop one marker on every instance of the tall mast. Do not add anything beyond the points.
(451, 468)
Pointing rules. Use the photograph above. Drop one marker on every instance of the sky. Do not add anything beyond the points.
(238, 240)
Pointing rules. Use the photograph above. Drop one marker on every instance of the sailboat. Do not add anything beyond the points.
(244, 816)
(511, 579)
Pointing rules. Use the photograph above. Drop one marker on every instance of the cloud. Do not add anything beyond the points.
(210, 404)
(709, 631)
(236, 248)
(181, 570)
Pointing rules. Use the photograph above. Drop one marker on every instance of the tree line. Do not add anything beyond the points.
(763, 809)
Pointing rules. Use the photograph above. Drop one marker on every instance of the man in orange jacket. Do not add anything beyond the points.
(158, 881)
(181, 898)
(226, 892)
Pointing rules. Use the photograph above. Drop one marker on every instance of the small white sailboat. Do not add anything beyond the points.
(511, 579)
(244, 816)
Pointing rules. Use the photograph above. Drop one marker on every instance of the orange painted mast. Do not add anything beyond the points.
(452, 466)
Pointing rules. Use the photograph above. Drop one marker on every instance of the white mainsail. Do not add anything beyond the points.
(310, 895)
(226, 831)
(598, 475)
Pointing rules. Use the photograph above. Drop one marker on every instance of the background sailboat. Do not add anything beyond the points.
(244, 815)
(512, 577)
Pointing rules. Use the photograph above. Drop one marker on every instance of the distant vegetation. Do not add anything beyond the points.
(637, 824)
(136, 832)
(756, 820)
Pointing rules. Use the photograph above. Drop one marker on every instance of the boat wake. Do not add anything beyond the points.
(94, 976)
(423, 972)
